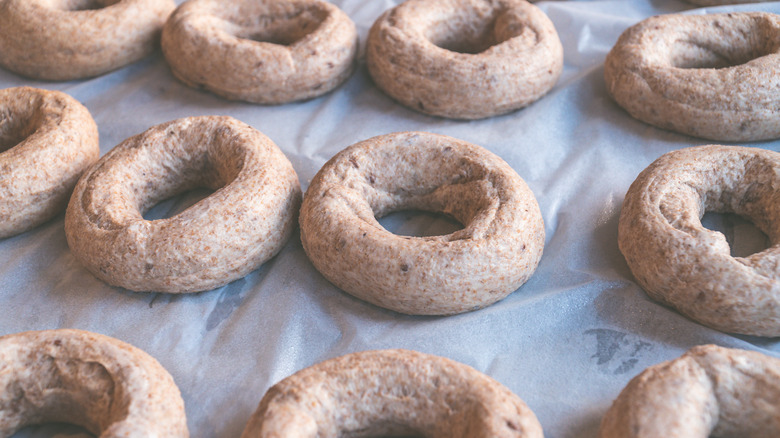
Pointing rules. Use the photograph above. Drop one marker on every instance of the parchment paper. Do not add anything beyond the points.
(566, 342)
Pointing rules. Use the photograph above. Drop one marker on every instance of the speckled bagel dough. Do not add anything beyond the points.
(494, 254)
(464, 59)
(708, 392)
(100, 383)
(47, 140)
(682, 264)
(72, 39)
(711, 76)
(221, 238)
(276, 51)
(391, 393)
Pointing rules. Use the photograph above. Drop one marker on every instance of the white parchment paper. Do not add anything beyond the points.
(566, 342)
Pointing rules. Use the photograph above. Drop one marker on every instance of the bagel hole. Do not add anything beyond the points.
(418, 223)
(743, 237)
(15, 128)
(176, 204)
(87, 5)
(727, 44)
(692, 55)
(278, 27)
(51, 430)
(470, 32)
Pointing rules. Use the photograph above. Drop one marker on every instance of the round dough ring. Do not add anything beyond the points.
(682, 264)
(391, 393)
(464, 59)
(277, 51)
(221, 238)
(47, 140)
(494, 254)
(100, 383)
(711, 76)
(709, 391)
(72, 39)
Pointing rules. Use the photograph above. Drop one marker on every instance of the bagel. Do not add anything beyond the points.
(223, 237)
(464, 59)
(47, 140)
(391, 392)
(494, 254)
(72, 39)
(277, 51)
(709, 391)
(711, 76)
(684, 265)
(100, 383)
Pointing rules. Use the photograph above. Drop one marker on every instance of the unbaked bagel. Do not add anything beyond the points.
(100, 383)
(709, 391)
(263, 51)
(494, 254)
(464, 59)
(47, 139)
(682, 264)
(711, 76)
(391, 392)
(219, 239)
(72, 39)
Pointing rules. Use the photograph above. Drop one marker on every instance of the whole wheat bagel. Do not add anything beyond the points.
(709, 391)
(262, 51)
(682, 264)
(464, 59)
(494, 254)
(100, 383)
(391, 393)
(72, 39)
(711, 76)
(47, 139)
(219, 239)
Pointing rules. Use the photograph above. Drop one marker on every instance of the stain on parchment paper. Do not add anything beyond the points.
(617, 352)
(229, 299)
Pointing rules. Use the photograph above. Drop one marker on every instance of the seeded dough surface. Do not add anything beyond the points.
(276, 51)
(709, 391)
(223, 237)
(464, 59)
(47, 139)
(391, 392)
(494, 254)
(682, 264)
(100, 383)
(713, 76)
(71, 39)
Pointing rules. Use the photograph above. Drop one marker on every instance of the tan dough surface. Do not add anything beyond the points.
(261, 51)
(708, 392)
(682, 264)
(464, 59)
(72, 39)
(105, 385)
(47, 139)
(242, 224)
(494, 254)
(391, 392)
(710, 76)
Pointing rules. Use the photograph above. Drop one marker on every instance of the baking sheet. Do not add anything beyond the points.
(566, 342)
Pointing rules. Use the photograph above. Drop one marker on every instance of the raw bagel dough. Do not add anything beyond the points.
(223, 237)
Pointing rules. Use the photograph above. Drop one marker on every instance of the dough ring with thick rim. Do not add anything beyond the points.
(395, 393)
(276, 51)
(464, 59)
(47, 140)
(494, 254)
(221, 238)
(73, 39)
(709, 391)
(682, 264)
(712, 76)
(100, 383)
